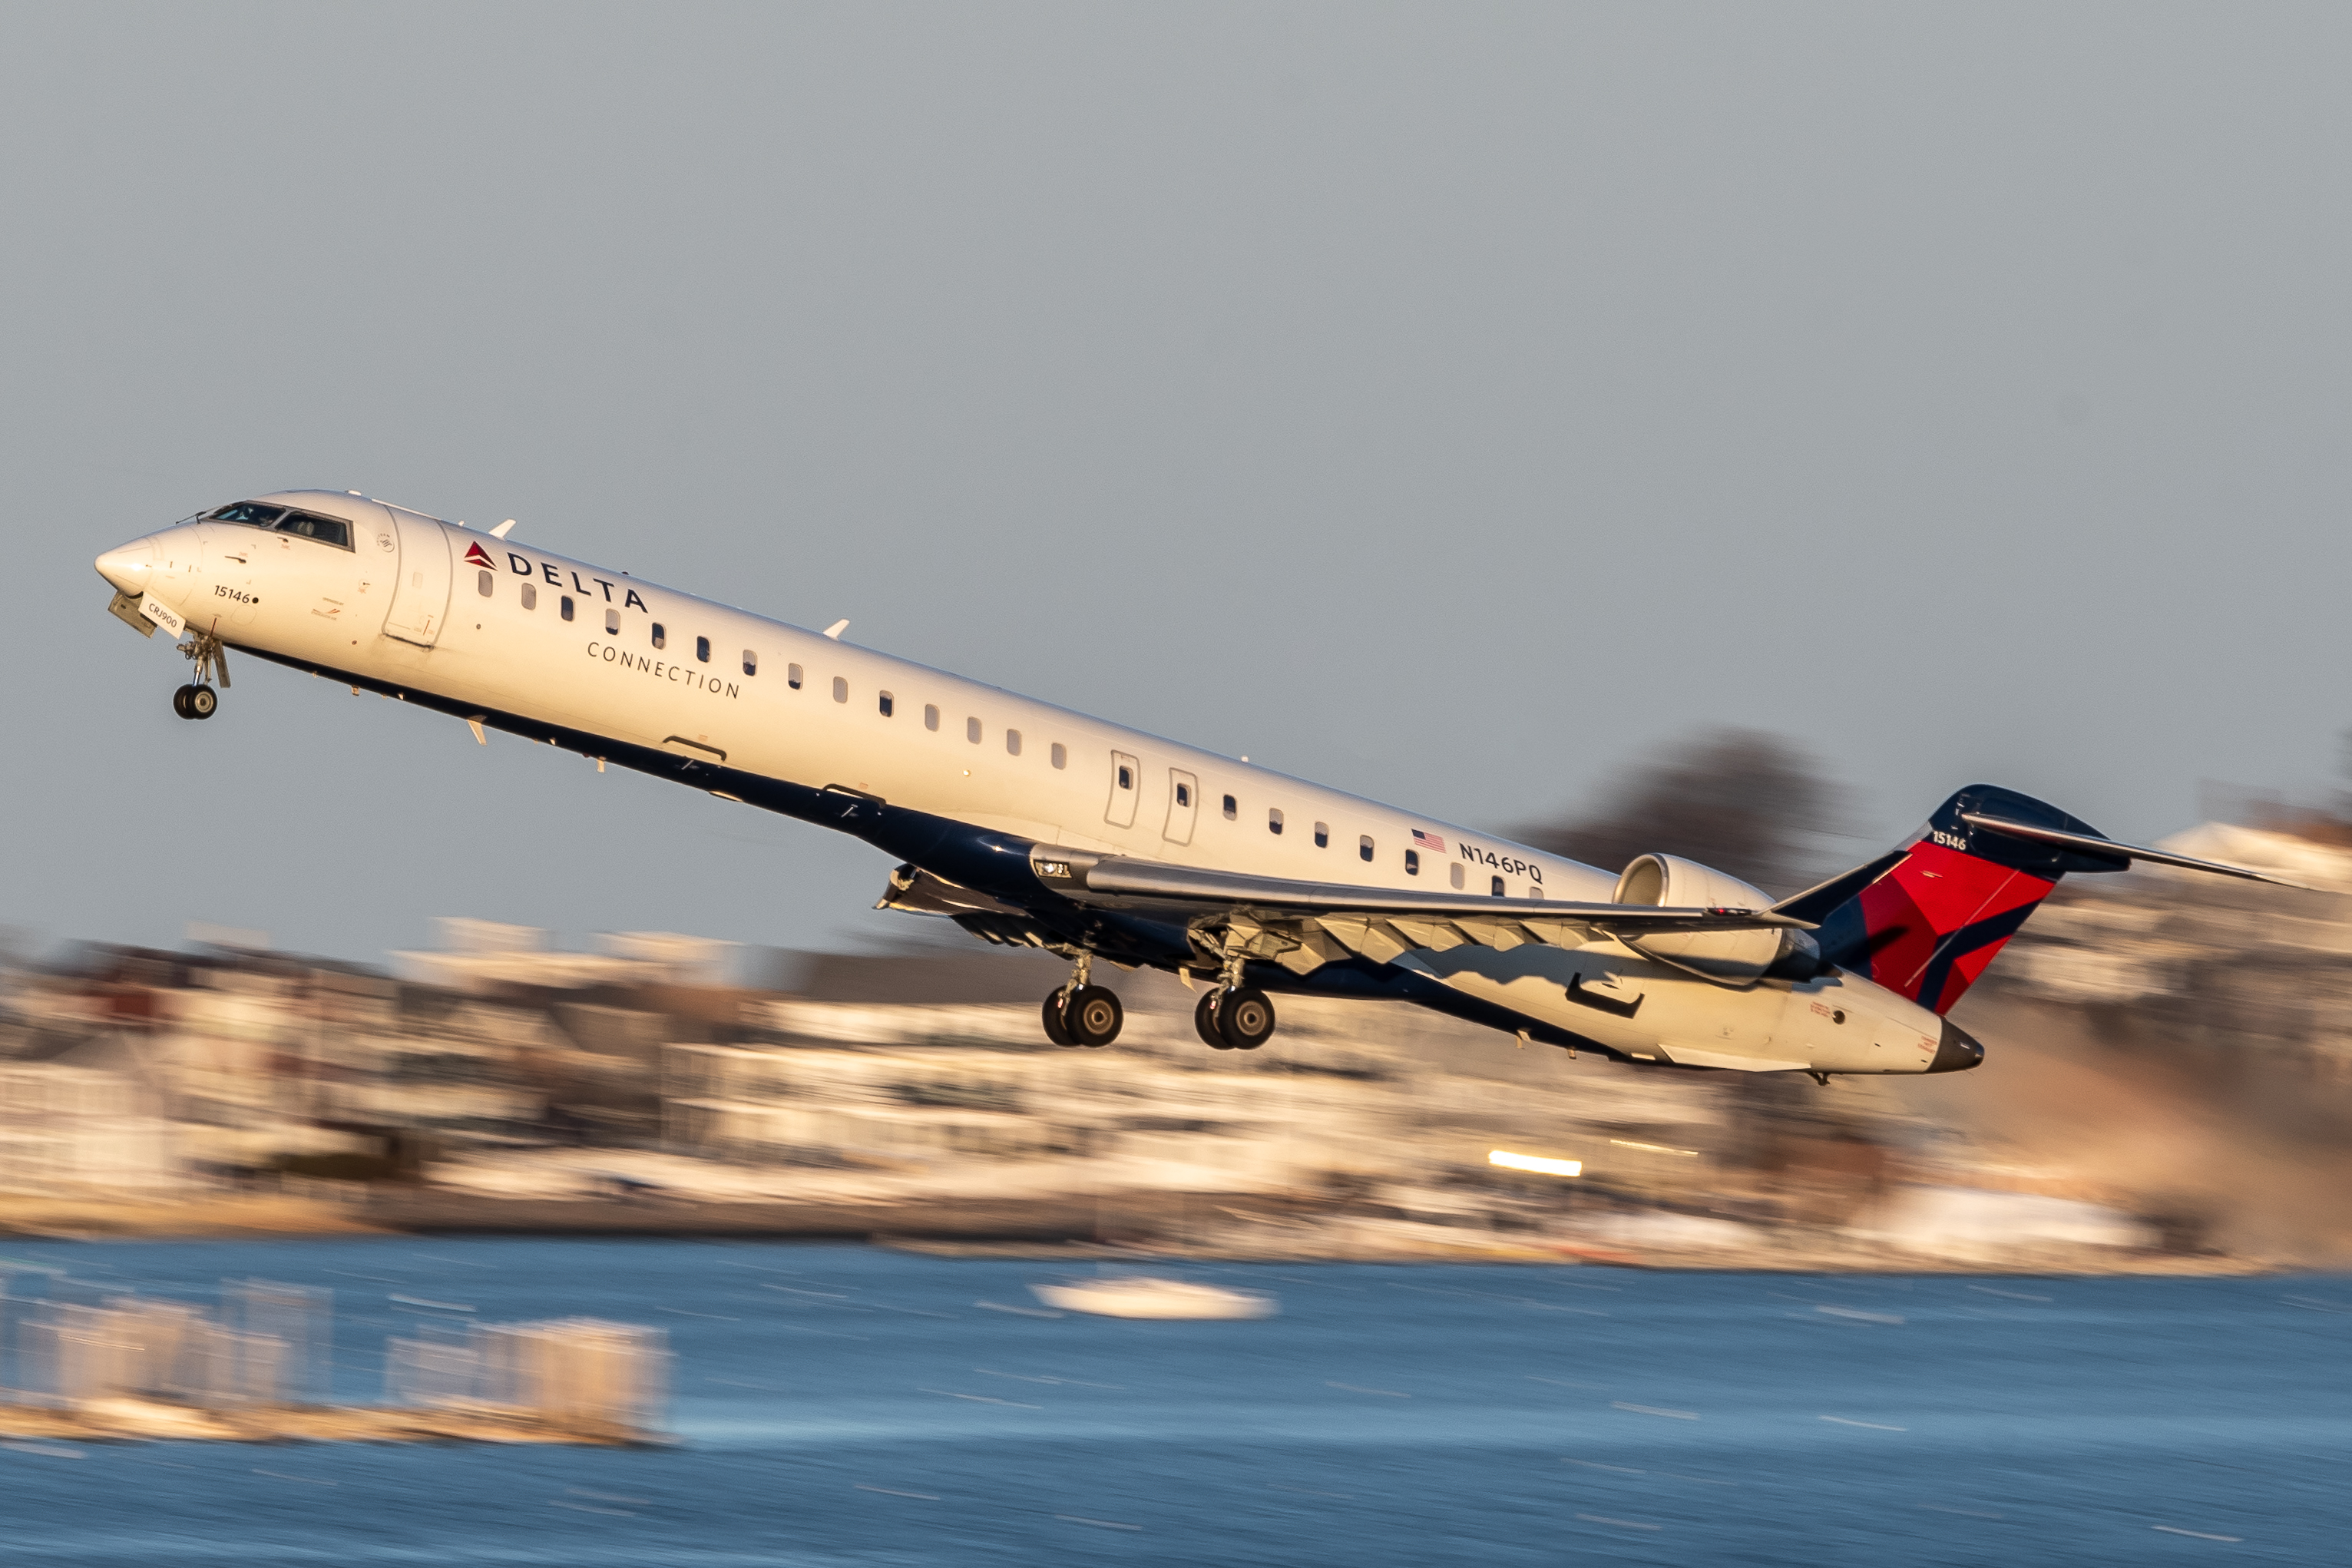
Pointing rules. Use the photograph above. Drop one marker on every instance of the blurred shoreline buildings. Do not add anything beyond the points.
(672, 1084)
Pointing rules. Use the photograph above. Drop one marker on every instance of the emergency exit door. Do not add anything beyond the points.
(1183, 806)
(1126, 784)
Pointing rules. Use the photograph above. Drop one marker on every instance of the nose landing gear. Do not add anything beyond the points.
(197, 699)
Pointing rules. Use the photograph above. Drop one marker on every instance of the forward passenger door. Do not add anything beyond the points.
(420, 593)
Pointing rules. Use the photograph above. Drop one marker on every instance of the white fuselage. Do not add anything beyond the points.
(421, 606)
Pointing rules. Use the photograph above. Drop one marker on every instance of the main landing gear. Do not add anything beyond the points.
(197, 699)
(1082, 1012)
(1234, 1017)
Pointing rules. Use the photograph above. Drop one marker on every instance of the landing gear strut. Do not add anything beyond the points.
(1082, 1012)
(1234, 1017)
(197, 699)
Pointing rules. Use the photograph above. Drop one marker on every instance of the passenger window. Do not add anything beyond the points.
(1322, 835)
(840, 689)
(612, 620)
(750, 661)
(1125, 779)
(1232, 808)
(793, 676)
(1013, 742)
(567, 607)
(702, 646)
(1454, 874)
(1498, 886)
(1412, 862)
(1364, 846)
(888, 703)
(661, 637)
(1274, 820)
(1183, 793)
(484, 578)
(971, 731)
(1061, 755)
(930, 715)
(531, 595)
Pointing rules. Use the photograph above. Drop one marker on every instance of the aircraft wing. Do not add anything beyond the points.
(1303, 925)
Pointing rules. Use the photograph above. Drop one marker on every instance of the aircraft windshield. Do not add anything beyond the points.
(251, 512)
(310, 525)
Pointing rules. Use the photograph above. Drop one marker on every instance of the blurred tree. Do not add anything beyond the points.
(1739, 800)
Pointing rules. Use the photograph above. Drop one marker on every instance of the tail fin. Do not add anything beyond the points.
(1925, 921)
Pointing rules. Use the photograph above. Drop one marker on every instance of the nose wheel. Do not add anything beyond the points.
(198, 700)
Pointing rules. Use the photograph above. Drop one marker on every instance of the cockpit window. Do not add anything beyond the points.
(251, 512)
(310, 525)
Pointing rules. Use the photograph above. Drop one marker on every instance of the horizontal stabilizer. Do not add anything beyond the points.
(2091, 844)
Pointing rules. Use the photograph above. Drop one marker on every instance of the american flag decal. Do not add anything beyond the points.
(1429, 841)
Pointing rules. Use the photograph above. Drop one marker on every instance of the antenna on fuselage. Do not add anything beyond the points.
(834, 630)
(500, 532)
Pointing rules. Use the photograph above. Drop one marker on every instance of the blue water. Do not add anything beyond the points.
(848, 1405)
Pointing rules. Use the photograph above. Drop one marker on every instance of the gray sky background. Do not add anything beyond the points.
(1449, 404)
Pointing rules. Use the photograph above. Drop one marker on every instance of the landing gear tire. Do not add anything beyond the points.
(180, 701)
(1246, 1019)
(1056, 1030)
(1204, 1020)
(1093, 1016)
(203, 702)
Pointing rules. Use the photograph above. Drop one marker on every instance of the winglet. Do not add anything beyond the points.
(2090, 844)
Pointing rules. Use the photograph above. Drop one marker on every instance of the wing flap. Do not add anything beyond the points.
(1495, 922)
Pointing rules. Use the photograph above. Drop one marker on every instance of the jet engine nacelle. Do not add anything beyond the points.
(1728, 958)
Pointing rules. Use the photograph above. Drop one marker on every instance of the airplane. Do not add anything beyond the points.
(1032, 826)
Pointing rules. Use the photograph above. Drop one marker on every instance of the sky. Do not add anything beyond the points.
(1451, 404)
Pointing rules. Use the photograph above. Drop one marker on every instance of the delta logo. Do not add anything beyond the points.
(478, 556)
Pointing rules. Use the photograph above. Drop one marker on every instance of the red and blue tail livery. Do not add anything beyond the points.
(1925, 921)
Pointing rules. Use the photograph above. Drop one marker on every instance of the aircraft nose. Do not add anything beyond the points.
(127, 566)
(1957, 1051)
